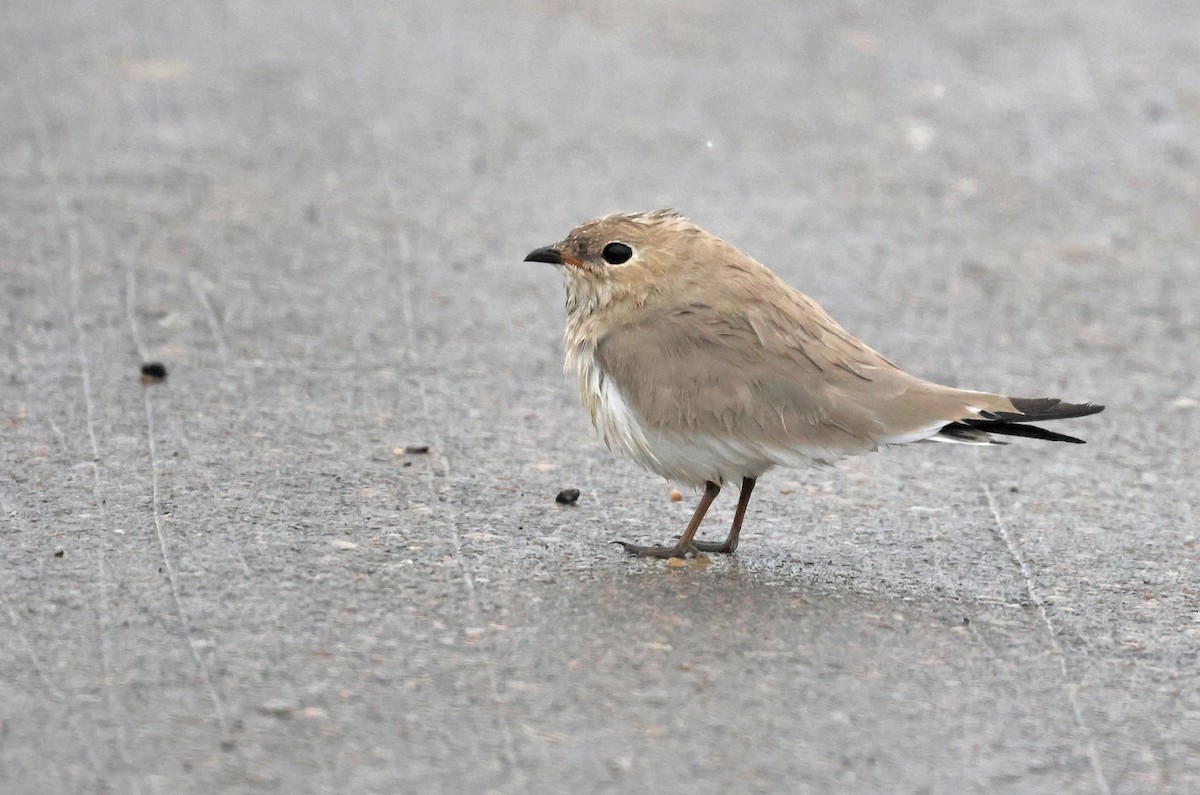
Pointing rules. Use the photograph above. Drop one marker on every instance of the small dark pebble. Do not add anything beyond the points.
(416, 449)
(277, 708)
(966, 621)
(58, 553)
(567, 496)
(1013, 490)
(153, 372)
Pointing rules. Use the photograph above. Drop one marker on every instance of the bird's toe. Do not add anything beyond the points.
(658, 550)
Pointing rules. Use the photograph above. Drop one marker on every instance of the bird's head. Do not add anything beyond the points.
(625, 254)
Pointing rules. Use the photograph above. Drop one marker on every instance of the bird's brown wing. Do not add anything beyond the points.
(782, 372)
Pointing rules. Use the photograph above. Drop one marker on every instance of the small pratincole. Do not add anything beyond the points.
(704, 367)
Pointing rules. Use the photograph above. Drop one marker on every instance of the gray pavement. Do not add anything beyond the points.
(315, 213)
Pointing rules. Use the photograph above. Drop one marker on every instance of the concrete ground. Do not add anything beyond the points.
(314, 214)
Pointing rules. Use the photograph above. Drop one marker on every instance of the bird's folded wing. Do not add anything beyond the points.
(780, 374)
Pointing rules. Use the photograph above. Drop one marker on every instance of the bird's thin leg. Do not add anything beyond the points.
(685, 544)
(730, 543)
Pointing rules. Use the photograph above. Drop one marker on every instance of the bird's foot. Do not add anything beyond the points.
(659, 551)
(720, 547)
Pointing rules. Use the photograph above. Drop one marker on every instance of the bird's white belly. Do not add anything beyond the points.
(690, 459)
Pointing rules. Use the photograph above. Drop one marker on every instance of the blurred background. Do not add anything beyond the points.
(314, 214)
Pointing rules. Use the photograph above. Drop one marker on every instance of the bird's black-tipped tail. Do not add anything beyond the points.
(1007, 423)
(1042, 409)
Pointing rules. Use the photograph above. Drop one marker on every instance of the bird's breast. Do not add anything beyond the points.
(619, 426)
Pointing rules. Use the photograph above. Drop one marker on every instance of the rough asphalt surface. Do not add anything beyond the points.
(314, 215)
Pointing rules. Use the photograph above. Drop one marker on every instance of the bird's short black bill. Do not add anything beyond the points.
(545, 254)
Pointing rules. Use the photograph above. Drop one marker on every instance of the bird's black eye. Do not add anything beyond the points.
(616, 253)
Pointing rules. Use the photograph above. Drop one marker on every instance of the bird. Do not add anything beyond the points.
(704, 367)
